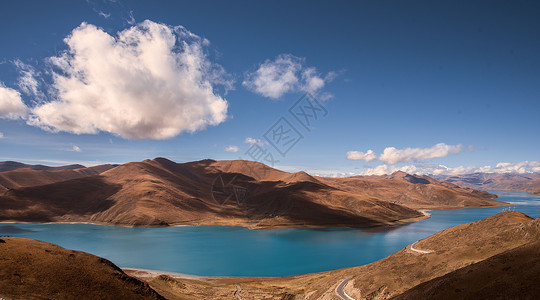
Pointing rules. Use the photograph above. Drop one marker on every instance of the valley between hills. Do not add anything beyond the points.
(160, 192)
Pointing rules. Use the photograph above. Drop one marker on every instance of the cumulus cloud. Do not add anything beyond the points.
(11, 104)
(357, 155)
(232, 149)
(1, 135)
(253, 141)
(76, 149)
(150, 81)
(392, 155)
(287, 73)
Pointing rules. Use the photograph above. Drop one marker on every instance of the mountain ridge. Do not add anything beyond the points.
(160, 192)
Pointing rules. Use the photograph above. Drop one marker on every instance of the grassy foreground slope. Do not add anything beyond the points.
(31, 269)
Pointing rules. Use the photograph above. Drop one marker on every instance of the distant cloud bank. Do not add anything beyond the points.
(392, 156)
(523, 167)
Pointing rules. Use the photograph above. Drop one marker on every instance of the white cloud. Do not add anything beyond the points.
(11, 104)
(150, 81)
(392, 155)
(76, 149)
(253, 141)
(520, 167)
(357, 155)
(131, 20)
(232, 149)
(1, 135)
(103, 14)
(285, 74)
(27, 81)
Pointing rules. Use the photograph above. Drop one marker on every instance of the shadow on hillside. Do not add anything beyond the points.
(76, 197)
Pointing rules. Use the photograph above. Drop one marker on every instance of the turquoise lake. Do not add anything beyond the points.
(237, 251)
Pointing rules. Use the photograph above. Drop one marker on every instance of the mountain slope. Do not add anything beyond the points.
(513, 274)
(162, 192)
(31, 269)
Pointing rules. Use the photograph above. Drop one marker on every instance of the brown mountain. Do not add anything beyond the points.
(498, 182)
(494, 258)
(245, 193)
(418, 192)
(31, 269)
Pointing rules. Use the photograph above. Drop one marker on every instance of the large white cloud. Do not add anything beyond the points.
(392, 155)
(11, 104)
(150, 81)
(287, 73)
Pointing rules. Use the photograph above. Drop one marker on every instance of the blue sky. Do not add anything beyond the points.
(427, 86)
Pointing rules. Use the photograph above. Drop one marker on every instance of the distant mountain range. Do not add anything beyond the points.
(160, 192)
(497, 182)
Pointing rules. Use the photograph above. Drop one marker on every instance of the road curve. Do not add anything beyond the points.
(418, 250)
(340, 292)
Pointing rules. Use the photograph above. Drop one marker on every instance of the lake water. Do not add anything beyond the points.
(237, 251)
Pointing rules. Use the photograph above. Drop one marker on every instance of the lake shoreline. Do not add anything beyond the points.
(150, 273)
(186, 250)
(258, 226)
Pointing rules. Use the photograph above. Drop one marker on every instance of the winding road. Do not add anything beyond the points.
(340, 292)
(418, 250)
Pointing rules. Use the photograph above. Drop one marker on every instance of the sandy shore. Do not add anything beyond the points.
(148, 273)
